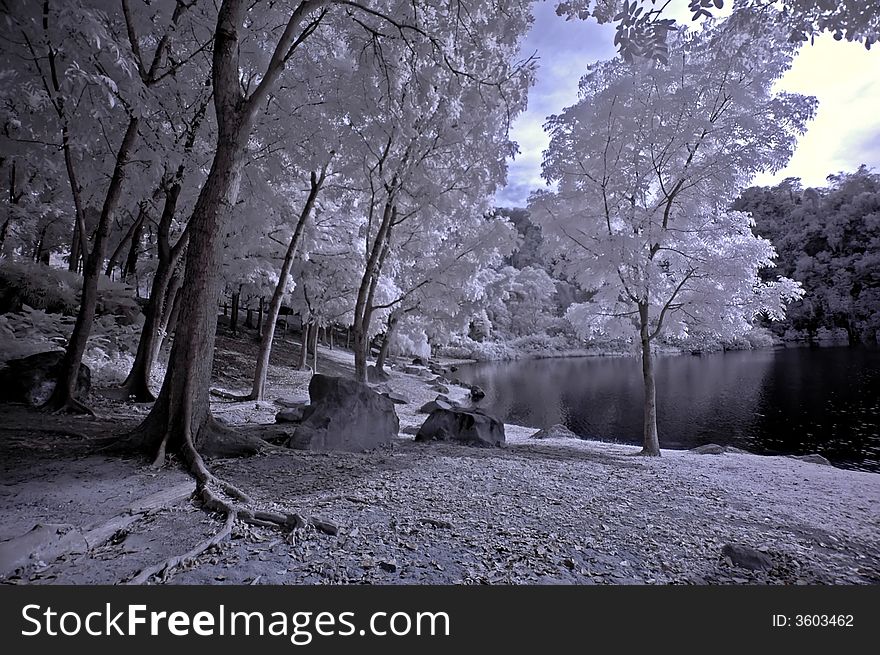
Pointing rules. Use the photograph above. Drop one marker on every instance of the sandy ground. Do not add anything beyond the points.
(536, 511)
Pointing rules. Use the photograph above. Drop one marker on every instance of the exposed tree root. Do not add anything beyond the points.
(231, 396)
(126, 393)
(144, 575)
(69, 405)
(218, 495)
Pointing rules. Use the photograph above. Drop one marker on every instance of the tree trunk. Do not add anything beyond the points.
(3, 232)
(182, 410)
(315, 329)
(651, 444)
(260, 316)
(65, 386)
(171, 312)
(268, 333)
(181, 419)
(113, 262)
(137, 384)
(386, 342)
(332, 330)
(249, 318)
(233, 321)
(303, 345)
(363, 310)
(130, 268)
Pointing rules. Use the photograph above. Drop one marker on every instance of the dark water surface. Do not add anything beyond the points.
(792, 400)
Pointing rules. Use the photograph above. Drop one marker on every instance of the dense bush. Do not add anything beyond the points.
(56, 291)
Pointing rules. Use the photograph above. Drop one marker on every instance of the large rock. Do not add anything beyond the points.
(377, 375)
(396, 398)
(557, 431)
(345, 415)
(709, 449)
(813, 458)
(746, 557)
(291, 414)
(467, 426)
(413, 370)
(31, 379)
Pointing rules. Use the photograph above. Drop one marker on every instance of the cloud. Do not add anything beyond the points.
(846, 130)
(844, 76)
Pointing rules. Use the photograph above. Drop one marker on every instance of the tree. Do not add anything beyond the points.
(829, 240)
(646, 164)
(642, 30)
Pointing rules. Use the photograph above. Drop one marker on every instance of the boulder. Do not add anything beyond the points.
(418, 361)
(433, 405)
(708, 449)
(746, 557)
(413, 370)
(442, 388)
(31, 379)
(377, 375)
(813, 458)
(396, 398)
(344, 415)
(291, 414)
(468, 426)
(557, 431)
(477, 393)
(296, 401)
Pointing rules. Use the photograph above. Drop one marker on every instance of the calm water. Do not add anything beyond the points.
(795, 400)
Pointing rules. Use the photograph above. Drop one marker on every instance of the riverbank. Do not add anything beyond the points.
(547, 347)
(535, 511)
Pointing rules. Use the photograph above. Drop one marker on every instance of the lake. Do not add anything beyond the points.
(790, 400)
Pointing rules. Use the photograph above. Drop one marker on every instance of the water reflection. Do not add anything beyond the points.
(794, 400)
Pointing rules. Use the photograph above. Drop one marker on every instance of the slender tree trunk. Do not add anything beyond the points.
(137, 383)
(314, 333)
(268, 332)
(386, 342)
(249, 318)
(260, 316)
(130, 268)
(363, 311)
(651, 444)
(113, 262)
(304, 345)
(233, 320)
(65, 386)
(170, 314)
(3, 232)
(332, 330)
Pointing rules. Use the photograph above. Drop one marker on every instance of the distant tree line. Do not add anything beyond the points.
(828, 239)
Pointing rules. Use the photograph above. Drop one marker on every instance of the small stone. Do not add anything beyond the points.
(390, 566)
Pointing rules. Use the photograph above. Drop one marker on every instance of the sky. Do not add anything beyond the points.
(844, 76)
